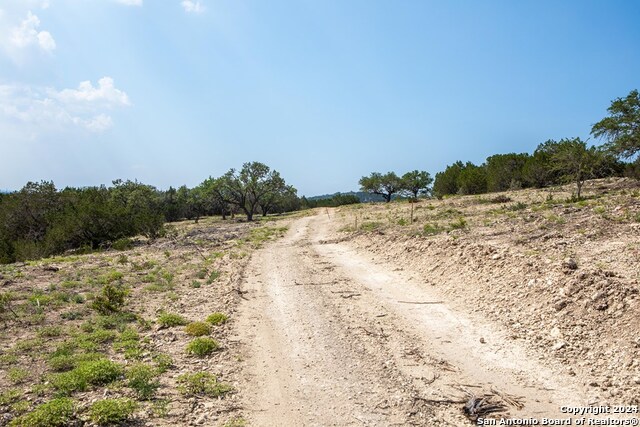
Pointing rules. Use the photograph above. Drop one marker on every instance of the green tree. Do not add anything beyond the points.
(505, 171)
(472, 179)
(621, 128)
(575, 162)
(384, 185)
(446, 182)
(248, 187)
(416, 183)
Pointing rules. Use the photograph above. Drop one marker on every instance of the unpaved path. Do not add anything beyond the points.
(334, 337)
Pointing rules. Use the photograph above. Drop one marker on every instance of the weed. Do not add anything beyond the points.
(56, 413)
(160, 407)
(122, 244)
(122, 259)
(202, 384)
(50, 332)
(8, 359)
(142, 379)
(217, 318)
(213, 277)
(17, 375)
(110, 277)
(96, 372)
(370, 225)
(517, 206)
(163, 362)
(202, 346)
(169, 320)
(236, 422)
(21, 407)
(201, 274)
(195, 284)
(431, 229)
(112, 411)
(9, 396)
(111, 300)
(197, 329)
(458, 224)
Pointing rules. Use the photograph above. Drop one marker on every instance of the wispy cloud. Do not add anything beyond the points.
(192, 6)
(130, 2)
(27, 34)
(42, 110)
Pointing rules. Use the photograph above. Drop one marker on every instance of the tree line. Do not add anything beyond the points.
(39, 220)
(552, 163)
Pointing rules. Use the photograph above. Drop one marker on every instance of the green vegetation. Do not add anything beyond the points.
(111, 300)
(217, 318)
(202, 384)
(202, 346)
(94, 372)
(56, 413)
(170, 320)
(197, 329)
(143, 380)
(110, 412)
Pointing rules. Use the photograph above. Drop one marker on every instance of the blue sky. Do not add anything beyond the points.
(170, 92)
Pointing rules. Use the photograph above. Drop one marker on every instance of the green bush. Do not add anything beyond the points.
(111, 300)
(217, 318)
(56, 413)
(163, 362)
(459, 224)
(169, 320)
(122, 244)
(142, 379)
(109, 412)
(202, 384)
(93, 372)
(431, 229)
(197, 329)
(202, 346)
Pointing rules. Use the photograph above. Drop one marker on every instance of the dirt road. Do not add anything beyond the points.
(334, 337)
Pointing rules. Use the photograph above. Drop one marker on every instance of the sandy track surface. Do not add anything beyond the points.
(335, 337)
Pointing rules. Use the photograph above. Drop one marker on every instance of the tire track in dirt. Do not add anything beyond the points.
(328, 342)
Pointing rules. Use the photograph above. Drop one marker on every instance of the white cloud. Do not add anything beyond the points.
(27, 34)
(130, 2)
(106, 94)
(192, 6)
(37, 110)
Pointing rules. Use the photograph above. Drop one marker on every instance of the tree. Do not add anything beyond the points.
(446, 182)
(505, 171)
(576, 162)
(472, 179)
(248, 187)
(384, 185)
(416, 183)
(622, 128)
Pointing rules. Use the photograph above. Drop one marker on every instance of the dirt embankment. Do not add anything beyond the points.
(562, 277)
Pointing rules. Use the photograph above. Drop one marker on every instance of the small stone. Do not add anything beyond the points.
(482, 341)
(570, 263)
(559, 345)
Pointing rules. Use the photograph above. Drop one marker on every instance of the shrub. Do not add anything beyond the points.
(17, 375)
(197, 329)
(202, 384)
(141, 378)
(217, 318)
(202, 346)
(122, 244)
(99, 372)
(459, 224)
(169, 320)
(431, 229)
(111, 300)
(163, 362)
(112, 411)
(94, 372)
(56, 413)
